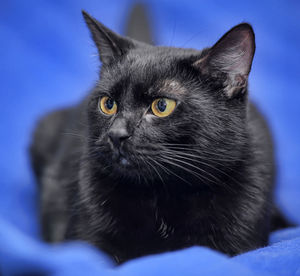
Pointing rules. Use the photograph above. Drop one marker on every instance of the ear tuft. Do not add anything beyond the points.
(232, 55)
(110, 45)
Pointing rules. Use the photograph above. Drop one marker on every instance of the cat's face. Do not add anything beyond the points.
(163, 113)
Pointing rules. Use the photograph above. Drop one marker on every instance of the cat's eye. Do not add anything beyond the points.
(108, 106)
(163, 107)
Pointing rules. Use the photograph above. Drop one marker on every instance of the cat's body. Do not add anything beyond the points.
(133, 183)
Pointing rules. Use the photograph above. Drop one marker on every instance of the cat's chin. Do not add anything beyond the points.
(122, 172)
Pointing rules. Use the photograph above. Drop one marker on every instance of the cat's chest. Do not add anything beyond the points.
(162, 217)
(141, 226)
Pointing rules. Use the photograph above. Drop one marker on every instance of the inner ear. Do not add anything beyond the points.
(231, 55)
(110, 45)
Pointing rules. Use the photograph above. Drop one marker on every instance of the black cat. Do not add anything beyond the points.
(166, 152)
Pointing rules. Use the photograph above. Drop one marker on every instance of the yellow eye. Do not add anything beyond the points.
(163, 107)
(108, 106)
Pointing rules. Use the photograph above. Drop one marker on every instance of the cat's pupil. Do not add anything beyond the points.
(161, 105)
(109, 103)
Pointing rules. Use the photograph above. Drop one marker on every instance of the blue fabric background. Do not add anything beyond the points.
(48, 61)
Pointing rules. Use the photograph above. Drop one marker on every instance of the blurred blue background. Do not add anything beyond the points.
(48, 61)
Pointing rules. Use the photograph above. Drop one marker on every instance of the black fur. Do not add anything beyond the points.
(201, 176)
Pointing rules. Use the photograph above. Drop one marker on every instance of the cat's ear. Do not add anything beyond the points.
(110, 45)
(232, 55)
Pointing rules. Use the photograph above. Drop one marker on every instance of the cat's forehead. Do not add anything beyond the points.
(171, 86)
(153, 87)
(147, 75)
(141, 91)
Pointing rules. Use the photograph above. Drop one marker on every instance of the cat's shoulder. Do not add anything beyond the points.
(260, 133)
(47, 136)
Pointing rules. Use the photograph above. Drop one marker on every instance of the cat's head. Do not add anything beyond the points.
(164, 112)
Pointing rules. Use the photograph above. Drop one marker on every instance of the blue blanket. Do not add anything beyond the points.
(47, 62)
(22, 255)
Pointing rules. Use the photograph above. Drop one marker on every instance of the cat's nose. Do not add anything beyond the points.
(117, 136)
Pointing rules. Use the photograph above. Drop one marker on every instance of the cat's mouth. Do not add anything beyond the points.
(123, 161)
(127, 161)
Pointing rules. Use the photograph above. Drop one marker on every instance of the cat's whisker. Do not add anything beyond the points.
(183, 156)
(78, 135)
(171, 171)
(161, 178)
(184, 147)
(167, 170)
(156, 171)
(147, 168)
(190, 39)
(199, 175)
(211, 164)
(200, 159)
(139, 167)
(175, 163)
(160, 165)
(198, 156)
(173, 32)
(195, 159)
